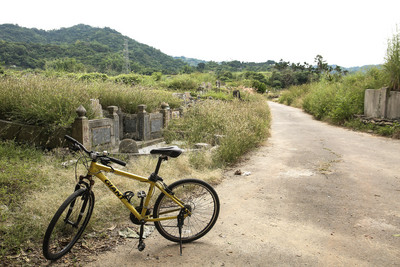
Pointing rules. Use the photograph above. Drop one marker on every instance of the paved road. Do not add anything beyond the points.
(317, 195)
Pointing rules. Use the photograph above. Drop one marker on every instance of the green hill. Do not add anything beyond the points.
(89, 48)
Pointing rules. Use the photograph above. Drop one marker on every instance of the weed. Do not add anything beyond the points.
(242, 125)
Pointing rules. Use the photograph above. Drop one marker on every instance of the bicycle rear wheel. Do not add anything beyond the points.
(68, 224)
(200, 198)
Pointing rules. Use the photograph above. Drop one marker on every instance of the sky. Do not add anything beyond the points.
(344, 32)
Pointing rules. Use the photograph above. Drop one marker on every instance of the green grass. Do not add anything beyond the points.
(20, 175)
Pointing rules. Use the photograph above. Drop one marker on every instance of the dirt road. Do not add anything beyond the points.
(317, 195)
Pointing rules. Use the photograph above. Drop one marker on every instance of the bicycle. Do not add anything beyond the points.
(184, 211)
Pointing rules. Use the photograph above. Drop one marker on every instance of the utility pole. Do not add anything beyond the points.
(127, 68)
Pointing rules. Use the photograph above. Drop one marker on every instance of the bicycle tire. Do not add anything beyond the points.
(204, 205)
(68, 224)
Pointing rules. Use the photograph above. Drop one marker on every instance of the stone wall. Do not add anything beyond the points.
(104, 133)
(107, 132)
(35, 135)
(382, 103)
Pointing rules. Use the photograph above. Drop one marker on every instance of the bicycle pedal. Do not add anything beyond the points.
(141, 194)
(128, 195)
(141, 246)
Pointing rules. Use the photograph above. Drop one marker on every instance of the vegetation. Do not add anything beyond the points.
(392, 62)
(18, 180)
(237, 126)
(66, 68)
(30, 179)
(52, 101)
(87, 48)
(339, 101)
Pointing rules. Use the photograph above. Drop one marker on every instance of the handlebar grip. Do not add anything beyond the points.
(120, 162)
(69, 138)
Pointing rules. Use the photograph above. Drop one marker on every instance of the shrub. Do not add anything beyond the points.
(259, 86)
(128, 79)
(294, 95)
(339, 101)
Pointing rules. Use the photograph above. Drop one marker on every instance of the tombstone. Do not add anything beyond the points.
(128, 146)
(97, 108)
(218, 84)
(236, 93)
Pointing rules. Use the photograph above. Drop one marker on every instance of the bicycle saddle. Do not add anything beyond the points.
(172, 151)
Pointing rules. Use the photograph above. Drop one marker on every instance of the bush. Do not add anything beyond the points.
(294, 95)
(339, 101)
(259, 86)
(128, 79)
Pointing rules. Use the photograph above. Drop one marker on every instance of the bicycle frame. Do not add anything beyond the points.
(96, 169)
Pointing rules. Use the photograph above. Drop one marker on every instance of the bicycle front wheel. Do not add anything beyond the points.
(68, 224)
(200, 198)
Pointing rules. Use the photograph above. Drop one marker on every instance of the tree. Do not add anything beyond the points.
(322, 66)
(201, 66)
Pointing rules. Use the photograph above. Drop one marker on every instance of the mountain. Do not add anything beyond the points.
(91, 48)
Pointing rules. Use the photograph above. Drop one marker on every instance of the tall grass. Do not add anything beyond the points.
(128, 98)
(335, 101)
(294, 95)
(52, 101)
(240, 125)
(392, 61)
(42, 101)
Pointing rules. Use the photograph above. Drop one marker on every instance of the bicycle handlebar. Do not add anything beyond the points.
(93, 153)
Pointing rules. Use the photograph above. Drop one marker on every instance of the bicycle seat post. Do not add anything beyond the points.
(154, 176)
(160, 160)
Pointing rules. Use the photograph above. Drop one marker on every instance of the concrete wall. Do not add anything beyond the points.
(382, 103)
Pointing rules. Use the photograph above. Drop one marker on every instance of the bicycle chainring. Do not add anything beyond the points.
(134, 219)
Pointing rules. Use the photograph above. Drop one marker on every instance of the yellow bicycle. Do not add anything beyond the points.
(184, 211)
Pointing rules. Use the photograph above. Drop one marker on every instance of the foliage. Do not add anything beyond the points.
(383, 130)
(241, 125)
(335, 101)
(286, 74)
(293, 96)
(392, 62)
(65, 65)
(128, 79)
(98, 50)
